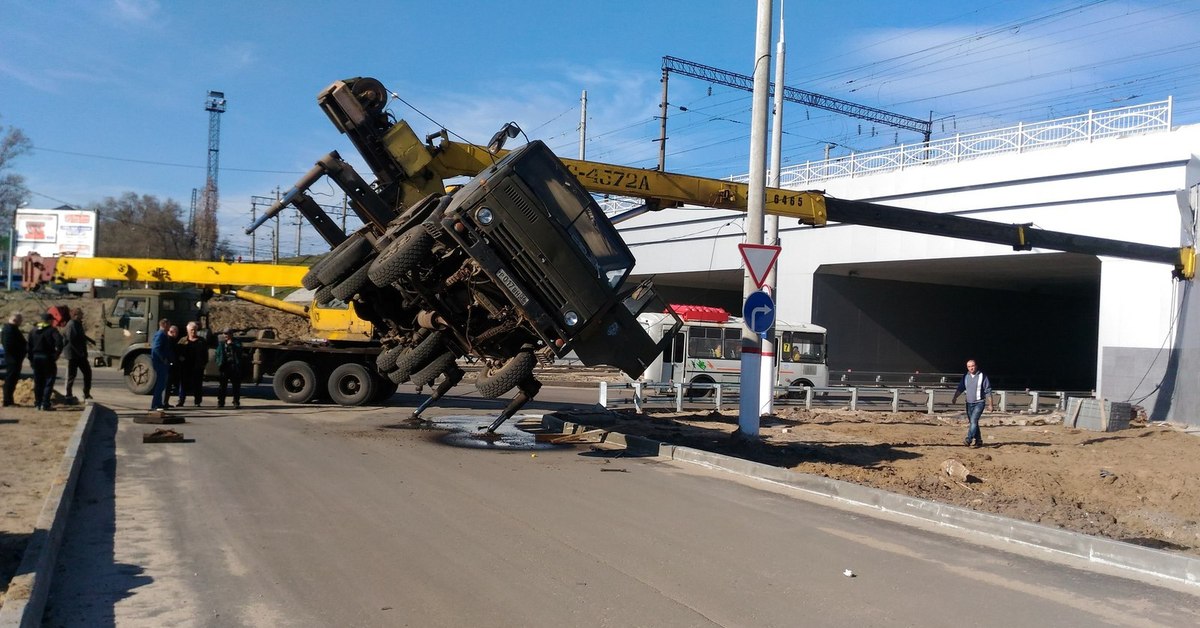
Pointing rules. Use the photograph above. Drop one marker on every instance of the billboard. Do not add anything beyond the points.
(55, 232)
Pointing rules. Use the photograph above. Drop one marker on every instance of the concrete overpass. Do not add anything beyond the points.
(894, 301)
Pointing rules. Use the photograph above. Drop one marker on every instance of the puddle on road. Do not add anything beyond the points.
(468, 431)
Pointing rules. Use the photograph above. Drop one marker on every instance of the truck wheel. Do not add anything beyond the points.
(323, 295)
(417, 357)
(310, 280)
(295, 382)
(351, 384)
(492, 384)
(384, 389)
(401, 256)
(345, 258)
(140, 376)
(350, 286)
(430, 372)
(385, 362)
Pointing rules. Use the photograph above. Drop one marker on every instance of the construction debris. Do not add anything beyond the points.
(162, 435)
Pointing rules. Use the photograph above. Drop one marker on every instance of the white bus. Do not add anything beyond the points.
(708, 348)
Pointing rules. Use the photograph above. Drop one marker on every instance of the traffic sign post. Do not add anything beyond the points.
(759, 258)
(759, 313)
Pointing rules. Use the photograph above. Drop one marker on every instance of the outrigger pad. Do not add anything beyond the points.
(163, 435)
(158, 417)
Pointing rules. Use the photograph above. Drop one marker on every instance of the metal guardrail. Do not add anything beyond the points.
(679, 397)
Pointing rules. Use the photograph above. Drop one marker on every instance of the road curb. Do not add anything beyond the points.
(25, 601)
(1178, 568)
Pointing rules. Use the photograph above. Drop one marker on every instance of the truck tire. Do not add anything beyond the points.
(492, 384)
(295, 382)
(430, 372)
(350, 286)
(323, 295)
(415, 358)
(384, 389)
(385, 362)
(140, 376)
(310, 280)
(351, 384)
(344, 259)
(401, 256)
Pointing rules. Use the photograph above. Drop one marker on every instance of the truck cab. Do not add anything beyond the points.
(130, 325)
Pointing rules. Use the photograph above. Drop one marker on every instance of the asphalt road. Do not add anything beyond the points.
(281, 515)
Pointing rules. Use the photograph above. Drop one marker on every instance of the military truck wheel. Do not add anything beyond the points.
(492, 384)
(351, 384)
(384, 389)
(415, 358)
(350, 286)
(140, 376)
(323, 295)
(310, 280)
(430, 372)
(344, 259)
(402, 256)
(295, 382)
(385, 362)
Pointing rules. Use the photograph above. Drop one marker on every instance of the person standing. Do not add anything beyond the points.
(229, 365)
(15, 350)
(162, 354)
(76, 351)
(172, 375)
(192, 353)
(45, 345)
(979, 391)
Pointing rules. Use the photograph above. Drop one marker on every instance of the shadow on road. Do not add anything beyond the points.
(88, 582)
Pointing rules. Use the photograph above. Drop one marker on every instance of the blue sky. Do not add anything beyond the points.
(112, 92)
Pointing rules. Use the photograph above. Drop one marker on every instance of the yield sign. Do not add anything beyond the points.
(759, 260)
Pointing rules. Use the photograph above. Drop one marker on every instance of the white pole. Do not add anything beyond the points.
(583, 126)
(770, 352)
(748, 417)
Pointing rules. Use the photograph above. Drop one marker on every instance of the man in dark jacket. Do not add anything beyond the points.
(15, 350)
(45, 345)
(76, 351)
(192, 353)
(229, 364)
(162, 354)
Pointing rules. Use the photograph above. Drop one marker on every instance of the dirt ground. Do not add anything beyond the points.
(1137, 485)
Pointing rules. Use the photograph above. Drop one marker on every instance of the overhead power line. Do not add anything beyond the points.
(810, 99)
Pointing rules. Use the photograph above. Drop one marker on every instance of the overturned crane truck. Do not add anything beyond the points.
(517, 267)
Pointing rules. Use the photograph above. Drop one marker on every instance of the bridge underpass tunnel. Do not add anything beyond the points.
(1031, 320)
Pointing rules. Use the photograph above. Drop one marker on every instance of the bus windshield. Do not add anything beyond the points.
(802, 346)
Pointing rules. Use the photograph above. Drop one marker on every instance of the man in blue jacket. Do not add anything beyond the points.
(979, 390)
(162, 354)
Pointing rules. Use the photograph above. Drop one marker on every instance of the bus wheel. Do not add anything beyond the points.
(696, 392)
(798, 394)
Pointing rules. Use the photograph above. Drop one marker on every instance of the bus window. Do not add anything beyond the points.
(677, 348)
(801, 346)
(733, 343)
(704, 342)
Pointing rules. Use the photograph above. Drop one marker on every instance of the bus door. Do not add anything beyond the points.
(673, 356)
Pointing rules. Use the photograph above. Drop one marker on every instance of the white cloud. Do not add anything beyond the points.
(136, 11)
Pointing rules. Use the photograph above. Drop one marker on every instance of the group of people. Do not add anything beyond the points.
(179, 365)
(43, 347)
